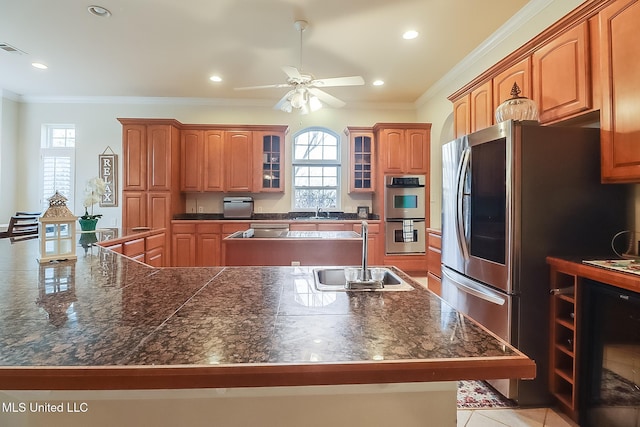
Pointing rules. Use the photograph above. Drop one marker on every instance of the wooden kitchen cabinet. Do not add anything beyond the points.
(519, 73)
(403, 148)
(269, 154)
(208, 245)
(151, 174)
(238, 155)
(462, 116)
(134, 157)
(155, 255)
(434, 261)
(202, 160)
(191, 159)
(183, 244)
(561, 75)
(361, 159)
(482, 110)
(216, 158)
(563, 367)
(620, 86)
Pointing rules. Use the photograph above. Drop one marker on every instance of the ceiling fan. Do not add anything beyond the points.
(305, 93)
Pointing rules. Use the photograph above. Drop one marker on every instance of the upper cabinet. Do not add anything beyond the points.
(519, 73)
(238, 164)
(461, 116)
(232, 158)
(620, 85)
(584, 64)
(269, 163)
(561, 75)
(403, 148)
(482, 106)
(361, 159)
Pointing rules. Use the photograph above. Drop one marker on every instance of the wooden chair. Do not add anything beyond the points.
(22, 226)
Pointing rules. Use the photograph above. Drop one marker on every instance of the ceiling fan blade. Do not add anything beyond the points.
(280, 85)
(292, 72)
(278, 106)
(339, 81)
(325, 97)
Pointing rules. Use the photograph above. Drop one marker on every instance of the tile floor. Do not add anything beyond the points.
(534, 417)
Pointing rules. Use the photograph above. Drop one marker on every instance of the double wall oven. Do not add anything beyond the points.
(405, 214)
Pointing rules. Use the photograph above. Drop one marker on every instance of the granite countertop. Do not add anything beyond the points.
(107, 322)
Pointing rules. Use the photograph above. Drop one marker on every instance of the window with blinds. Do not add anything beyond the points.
(57, 162)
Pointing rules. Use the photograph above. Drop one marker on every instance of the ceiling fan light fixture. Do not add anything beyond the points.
(299, 98)
(314, 103)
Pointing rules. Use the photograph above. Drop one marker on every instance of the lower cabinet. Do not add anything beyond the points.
(434, 259)
(148, 248)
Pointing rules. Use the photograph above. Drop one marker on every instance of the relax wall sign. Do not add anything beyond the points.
(109, 174)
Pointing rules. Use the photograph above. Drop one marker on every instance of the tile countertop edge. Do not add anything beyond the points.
(263, 375)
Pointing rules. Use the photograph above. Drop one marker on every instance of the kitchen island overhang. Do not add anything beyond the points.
(262, 375)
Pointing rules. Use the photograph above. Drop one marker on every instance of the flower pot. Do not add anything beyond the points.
(88, 224)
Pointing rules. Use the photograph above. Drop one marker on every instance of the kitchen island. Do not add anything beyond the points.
(293, 248)
(115, 332)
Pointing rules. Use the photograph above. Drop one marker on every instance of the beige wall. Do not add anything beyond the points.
(434, 106)
(97, 129)
(8, 159)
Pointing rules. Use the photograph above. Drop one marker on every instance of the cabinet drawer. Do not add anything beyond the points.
(209, 228)
(435, 241)
(133, 248)
(235, 226)
(183, 228)
(155, 241)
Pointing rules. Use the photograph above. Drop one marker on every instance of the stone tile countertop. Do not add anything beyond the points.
(107, 322)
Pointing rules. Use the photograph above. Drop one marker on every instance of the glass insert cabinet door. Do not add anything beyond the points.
(361, 148)
(271, 162)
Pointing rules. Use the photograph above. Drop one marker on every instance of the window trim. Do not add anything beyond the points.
(47, 150)
(321, 163)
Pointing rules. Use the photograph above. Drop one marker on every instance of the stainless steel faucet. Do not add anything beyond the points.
(364, 273)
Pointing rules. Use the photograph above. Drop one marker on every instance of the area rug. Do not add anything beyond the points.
(479, 394)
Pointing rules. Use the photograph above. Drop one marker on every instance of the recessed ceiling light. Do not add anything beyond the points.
(39, 65)
(409, 35)
(99, 11)
(378, 82)
(215, 78)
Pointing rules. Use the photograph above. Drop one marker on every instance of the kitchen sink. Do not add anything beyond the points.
(333, 279)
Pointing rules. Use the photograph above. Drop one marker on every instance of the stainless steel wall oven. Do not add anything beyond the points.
(404, 213)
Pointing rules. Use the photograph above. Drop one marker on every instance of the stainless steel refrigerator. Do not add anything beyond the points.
(513, 194)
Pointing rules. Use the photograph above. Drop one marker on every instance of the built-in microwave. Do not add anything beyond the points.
(404, 197)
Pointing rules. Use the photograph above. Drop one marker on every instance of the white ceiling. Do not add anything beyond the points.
(169, 48)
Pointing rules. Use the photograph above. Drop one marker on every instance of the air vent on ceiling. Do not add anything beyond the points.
(8, 48)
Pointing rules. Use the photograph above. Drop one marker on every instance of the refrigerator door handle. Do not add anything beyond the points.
(462, 241)
(467, 285)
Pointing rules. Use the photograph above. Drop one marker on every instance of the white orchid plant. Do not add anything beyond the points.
(93, 191)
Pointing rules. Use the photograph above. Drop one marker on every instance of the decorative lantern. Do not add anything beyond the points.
(517, 107)
(57, 231)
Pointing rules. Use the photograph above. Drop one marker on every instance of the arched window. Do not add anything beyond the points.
(316, 170)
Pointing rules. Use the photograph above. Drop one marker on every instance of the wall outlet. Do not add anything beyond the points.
(295, 263)
(200, 209)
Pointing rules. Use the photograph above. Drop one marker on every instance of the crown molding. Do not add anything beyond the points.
(508, 29)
